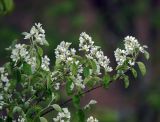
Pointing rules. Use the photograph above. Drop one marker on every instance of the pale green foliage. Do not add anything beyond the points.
(30, 88)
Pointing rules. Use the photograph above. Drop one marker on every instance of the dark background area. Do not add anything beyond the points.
(108, 22)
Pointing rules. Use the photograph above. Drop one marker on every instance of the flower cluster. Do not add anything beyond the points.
(132, 48)
(33, 62)
(63, 116)
(132, 45)
(19, 52)
(45, 63)
(36, 34)
(91, 119)
(63, 53)
(78, 80)
(55, 76)
(28, 78)
(4, 79)
(93, 52)
(120, 56)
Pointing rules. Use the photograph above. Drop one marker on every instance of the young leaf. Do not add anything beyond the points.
(142, 68)
(17, 109)
(146, 54)
(40, 51)
(68, 86)
(94, 66)
(86, 72)
(134, 72)
(27, 69)
(81, 115)
(9, 4)
(126, 81)
(57, 107)
(91, 81)
(74, 69)
(76, 101)
(42, 119)
(106, 79)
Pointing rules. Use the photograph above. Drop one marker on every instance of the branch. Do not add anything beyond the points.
(70, 99)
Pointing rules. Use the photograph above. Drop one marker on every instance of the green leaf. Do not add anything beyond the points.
(74, 69)
(142, 68)
(8, 67)
(86, 71)
(91, 81)
(33, 112)
(7, 6)
(134, 72)
(94, 66)
(76, 101)
(42, 119)
(57, 107)
(106, 79)
(40, 51)
(81, 115)
(68, 86)
(17, 75)
(17, 109)
(27, 69)
(146, 54)
(126, 81)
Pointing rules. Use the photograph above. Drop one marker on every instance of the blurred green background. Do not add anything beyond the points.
(108, 22)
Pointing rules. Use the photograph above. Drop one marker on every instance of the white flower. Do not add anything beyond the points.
(91, 119)
(93, 52)
(120, 56)
(36, 34)
(32, 62)
(79, 81)
(63, 53)
(19, 52)
(21, 119)
(131, 45)
(92, 102)
(63, 116)
(85, 42)
(45, 63)
(132, 63)
(4, 79)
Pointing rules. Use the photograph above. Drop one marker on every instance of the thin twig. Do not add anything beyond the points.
(70, 99)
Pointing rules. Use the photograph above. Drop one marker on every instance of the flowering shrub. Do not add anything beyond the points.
(30, 89)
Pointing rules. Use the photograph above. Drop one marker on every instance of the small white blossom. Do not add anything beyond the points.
(94, 52)
(131, 45)
(36, 34)
(21, 119)
(4, 79)
(19, 52)
(79, 81)
(32, 62)
(63, 53)
(92, 102)
(120, 56)
(63, 116)
(91, 119)
(85, 42)
(45, 63)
